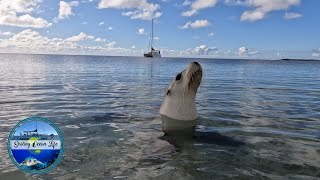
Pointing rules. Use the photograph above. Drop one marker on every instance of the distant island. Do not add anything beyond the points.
(288, 59)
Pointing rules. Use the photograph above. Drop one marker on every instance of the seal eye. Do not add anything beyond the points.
(168, 92)
(178, 77)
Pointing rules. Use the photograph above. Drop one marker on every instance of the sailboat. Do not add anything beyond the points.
(152, 53)
(27, 134)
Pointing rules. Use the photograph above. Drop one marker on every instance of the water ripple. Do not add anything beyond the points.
(107, 109)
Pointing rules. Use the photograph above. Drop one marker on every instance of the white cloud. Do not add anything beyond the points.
(211, 34)
(65, 9)
(251, 53)
(101, 23)
(82, 36)
(316, 52)
(201, 50)
(292, 15)
(186, 3)
(17, 13)
(252, 16)
(7, 33)
(84, 23)
(23, 21)
(139, 9)
(29, 41)
(237, 2)
(111, 44)
(244, 51)
(144, 15)
(198, 5)
(196, 24)
(210, 52)
(140, 31)
(263, 7)
(84, 1)
(171, 52)
(110, 28)
(133, 47)
(100, 40)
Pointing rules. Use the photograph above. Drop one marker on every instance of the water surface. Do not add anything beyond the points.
(257, 118)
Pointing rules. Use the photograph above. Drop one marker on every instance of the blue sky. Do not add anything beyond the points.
(43, 128)
(188, 28)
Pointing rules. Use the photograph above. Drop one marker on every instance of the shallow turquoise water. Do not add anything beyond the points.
(257, 118)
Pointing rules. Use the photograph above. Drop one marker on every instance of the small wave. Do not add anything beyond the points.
(120, 177)
(72, 126)
(6, 125)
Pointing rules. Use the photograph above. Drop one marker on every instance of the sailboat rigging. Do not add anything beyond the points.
(152, 53)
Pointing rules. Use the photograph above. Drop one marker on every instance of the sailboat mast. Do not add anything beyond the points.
(152, 53)
(152, 34)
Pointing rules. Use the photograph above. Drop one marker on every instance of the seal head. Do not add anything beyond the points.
(179, 103)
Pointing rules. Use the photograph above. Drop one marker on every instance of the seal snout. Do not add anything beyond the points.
(196, 67)
(195, 75)
(196, 63)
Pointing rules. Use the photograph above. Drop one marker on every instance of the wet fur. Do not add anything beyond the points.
(179, 101)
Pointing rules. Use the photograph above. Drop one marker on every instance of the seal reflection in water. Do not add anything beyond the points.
(178, 110)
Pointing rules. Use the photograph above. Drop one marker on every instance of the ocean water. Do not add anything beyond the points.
(257, 118)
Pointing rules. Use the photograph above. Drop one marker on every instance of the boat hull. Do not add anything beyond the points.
(152, 54)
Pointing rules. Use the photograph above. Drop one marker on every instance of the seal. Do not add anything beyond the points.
(178, 110)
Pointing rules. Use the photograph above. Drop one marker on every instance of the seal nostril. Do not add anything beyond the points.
(196, 63)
